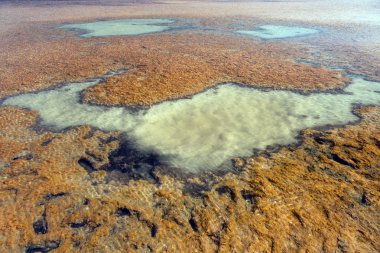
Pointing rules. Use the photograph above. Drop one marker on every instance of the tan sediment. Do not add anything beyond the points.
(161, 66)
(321, 196)
(178, 65)
(38, 55)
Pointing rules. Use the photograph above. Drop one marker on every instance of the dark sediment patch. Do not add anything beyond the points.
(127, 163)
(54, 195)
(43, 247)
(86, 164)
(123, 211)
(40, 226)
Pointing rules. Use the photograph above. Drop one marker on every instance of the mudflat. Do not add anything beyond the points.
(148, 126)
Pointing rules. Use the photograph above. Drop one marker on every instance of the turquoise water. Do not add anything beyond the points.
(278, 31)
(120, 27)
(207, 130)
(143, 26)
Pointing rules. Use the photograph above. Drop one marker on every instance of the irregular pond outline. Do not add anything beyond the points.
(137, 124)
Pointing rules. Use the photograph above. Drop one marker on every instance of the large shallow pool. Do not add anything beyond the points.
(204, 132)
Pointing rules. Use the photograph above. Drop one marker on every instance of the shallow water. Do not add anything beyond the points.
(120, 27)
(207, 130)
(278, 31)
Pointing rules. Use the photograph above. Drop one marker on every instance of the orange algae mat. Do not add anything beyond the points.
(82, 190)
(161, 66)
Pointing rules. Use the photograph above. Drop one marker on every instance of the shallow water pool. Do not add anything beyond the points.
(204, 132)
(279, 31)
(120, 27)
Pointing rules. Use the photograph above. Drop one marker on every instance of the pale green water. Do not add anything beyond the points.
(120, 27)
(278, 31)
(142, 26)
(203, 132)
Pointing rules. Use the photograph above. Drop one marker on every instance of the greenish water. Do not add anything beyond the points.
(143, 26)
(207, 130)
(120, 27)
(279, 31)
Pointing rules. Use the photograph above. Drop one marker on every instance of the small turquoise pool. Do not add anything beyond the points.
(120, 27)
(278, 31)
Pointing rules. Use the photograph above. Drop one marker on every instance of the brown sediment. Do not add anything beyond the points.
(162, 66)
(183, 64)
(56, 191)
(350, 59)
(322, 195)
(172, 65)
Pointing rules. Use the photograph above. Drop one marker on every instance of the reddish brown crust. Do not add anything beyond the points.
(184, 64)
(162, 66)
(320, 196)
